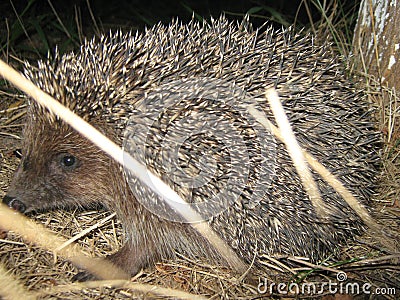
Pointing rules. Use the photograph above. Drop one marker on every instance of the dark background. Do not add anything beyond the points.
(139, 12)
(34, 26)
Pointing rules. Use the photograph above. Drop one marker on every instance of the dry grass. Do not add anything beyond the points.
(47, 276)
(50, 276)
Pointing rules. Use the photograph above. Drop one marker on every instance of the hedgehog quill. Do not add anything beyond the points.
(175, 97)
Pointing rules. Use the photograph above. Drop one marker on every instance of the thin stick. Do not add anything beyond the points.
(332, 181)
(139, 287)
(125, 159)
(44, 238)
(10, 288)
(86, 231)
(295, 152)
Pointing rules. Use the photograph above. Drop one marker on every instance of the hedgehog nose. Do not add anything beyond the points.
(14, 203)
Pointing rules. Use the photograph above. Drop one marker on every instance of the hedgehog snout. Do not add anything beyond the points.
(14, 203)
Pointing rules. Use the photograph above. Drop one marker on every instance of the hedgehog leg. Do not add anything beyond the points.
(132, 259)
(128, 259)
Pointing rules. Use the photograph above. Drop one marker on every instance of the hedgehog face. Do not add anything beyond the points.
(59, 168)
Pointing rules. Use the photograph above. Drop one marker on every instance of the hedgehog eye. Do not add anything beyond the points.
(68, 161)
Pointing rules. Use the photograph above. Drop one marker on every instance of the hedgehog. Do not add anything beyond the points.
(175, 97)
